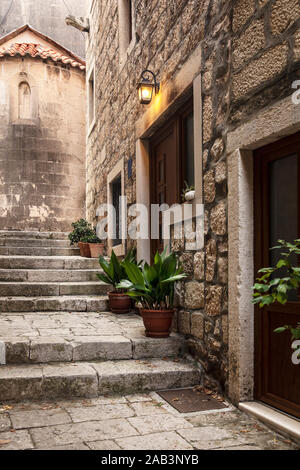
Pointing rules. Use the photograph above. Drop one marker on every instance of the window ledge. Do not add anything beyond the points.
(119, 250)
(91, 128)
(25, 122)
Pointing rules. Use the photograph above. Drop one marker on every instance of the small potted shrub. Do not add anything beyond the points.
(82, 230)
(95, 245)
(153, 287)
(114, 273)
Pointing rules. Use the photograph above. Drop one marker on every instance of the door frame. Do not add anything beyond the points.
(261, 129)
(187, 81)
(272, 152)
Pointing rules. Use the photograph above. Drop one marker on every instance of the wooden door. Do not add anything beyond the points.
(277, 216)
(172, 162)
(165, 173)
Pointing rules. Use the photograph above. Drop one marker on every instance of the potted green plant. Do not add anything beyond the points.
(270, 289)
(82, 229)
(113, 273)
(95, 245)
(153, 287)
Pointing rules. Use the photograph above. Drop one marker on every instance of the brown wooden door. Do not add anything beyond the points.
(277, 216)
(172, 162)
(165, 173)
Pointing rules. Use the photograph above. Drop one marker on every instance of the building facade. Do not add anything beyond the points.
(47, 17)
(227, 71)
(42, 133)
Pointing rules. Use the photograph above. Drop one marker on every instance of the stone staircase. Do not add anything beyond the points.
(57, 338)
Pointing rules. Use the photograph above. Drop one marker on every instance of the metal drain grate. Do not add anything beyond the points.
(189, 400)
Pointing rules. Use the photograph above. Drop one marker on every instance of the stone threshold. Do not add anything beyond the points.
(277, 420)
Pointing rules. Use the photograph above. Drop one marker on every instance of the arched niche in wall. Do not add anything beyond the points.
(23, 99)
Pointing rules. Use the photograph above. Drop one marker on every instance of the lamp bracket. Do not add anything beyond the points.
(145, 76)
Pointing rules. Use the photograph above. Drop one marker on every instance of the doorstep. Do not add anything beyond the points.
(277, 420)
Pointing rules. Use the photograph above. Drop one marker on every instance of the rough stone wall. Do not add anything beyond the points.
(250, 56)
(265, 54)
(42, 160)
(48, 17)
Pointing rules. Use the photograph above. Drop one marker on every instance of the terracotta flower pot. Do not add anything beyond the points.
(96, 249)
(157, 322)
(84, 249)
(119, 303)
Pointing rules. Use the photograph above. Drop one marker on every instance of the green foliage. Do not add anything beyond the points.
(82, 230)
(114, 270)
(92, 238)
(153, 286)
(270, 289)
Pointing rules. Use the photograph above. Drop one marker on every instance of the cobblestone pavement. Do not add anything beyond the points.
(136, 422)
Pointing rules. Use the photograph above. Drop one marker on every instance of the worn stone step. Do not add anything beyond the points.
(92, 379)
(45, 349)
(48, 262)
(35, 242)
(38, 251)
(33, 234)
(46, 289)
(48, 275)
(81, 336)
(46, 304)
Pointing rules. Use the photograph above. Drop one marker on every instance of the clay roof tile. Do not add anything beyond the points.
(37, 50)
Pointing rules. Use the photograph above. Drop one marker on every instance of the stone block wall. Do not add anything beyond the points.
(250, 56)
(42, 159)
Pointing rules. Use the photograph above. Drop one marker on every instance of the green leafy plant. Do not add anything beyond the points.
(82, 229)
(114, 270)
(270, 289)
(186, 189)
(153, 286)
(92, 238)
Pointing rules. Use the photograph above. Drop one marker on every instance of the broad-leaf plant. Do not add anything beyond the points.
(153, 286)
(276, 283)
(114, 270)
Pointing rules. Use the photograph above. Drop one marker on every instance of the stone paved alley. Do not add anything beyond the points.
(132, 422)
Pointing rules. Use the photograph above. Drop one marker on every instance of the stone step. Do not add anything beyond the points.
(92, 379)
(47, 289)
(37, 251)
(41, 350)
(33, 234)
(35, 242)
(48, 275)
(47, 304)
(48, 262)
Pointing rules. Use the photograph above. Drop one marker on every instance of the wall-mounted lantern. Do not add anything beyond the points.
(147, 86)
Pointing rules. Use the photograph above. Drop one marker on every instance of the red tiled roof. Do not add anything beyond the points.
(37, 50)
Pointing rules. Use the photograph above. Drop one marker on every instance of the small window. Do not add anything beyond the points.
(24, 101)
(126, 26)
(116, 194)
(91, 97)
